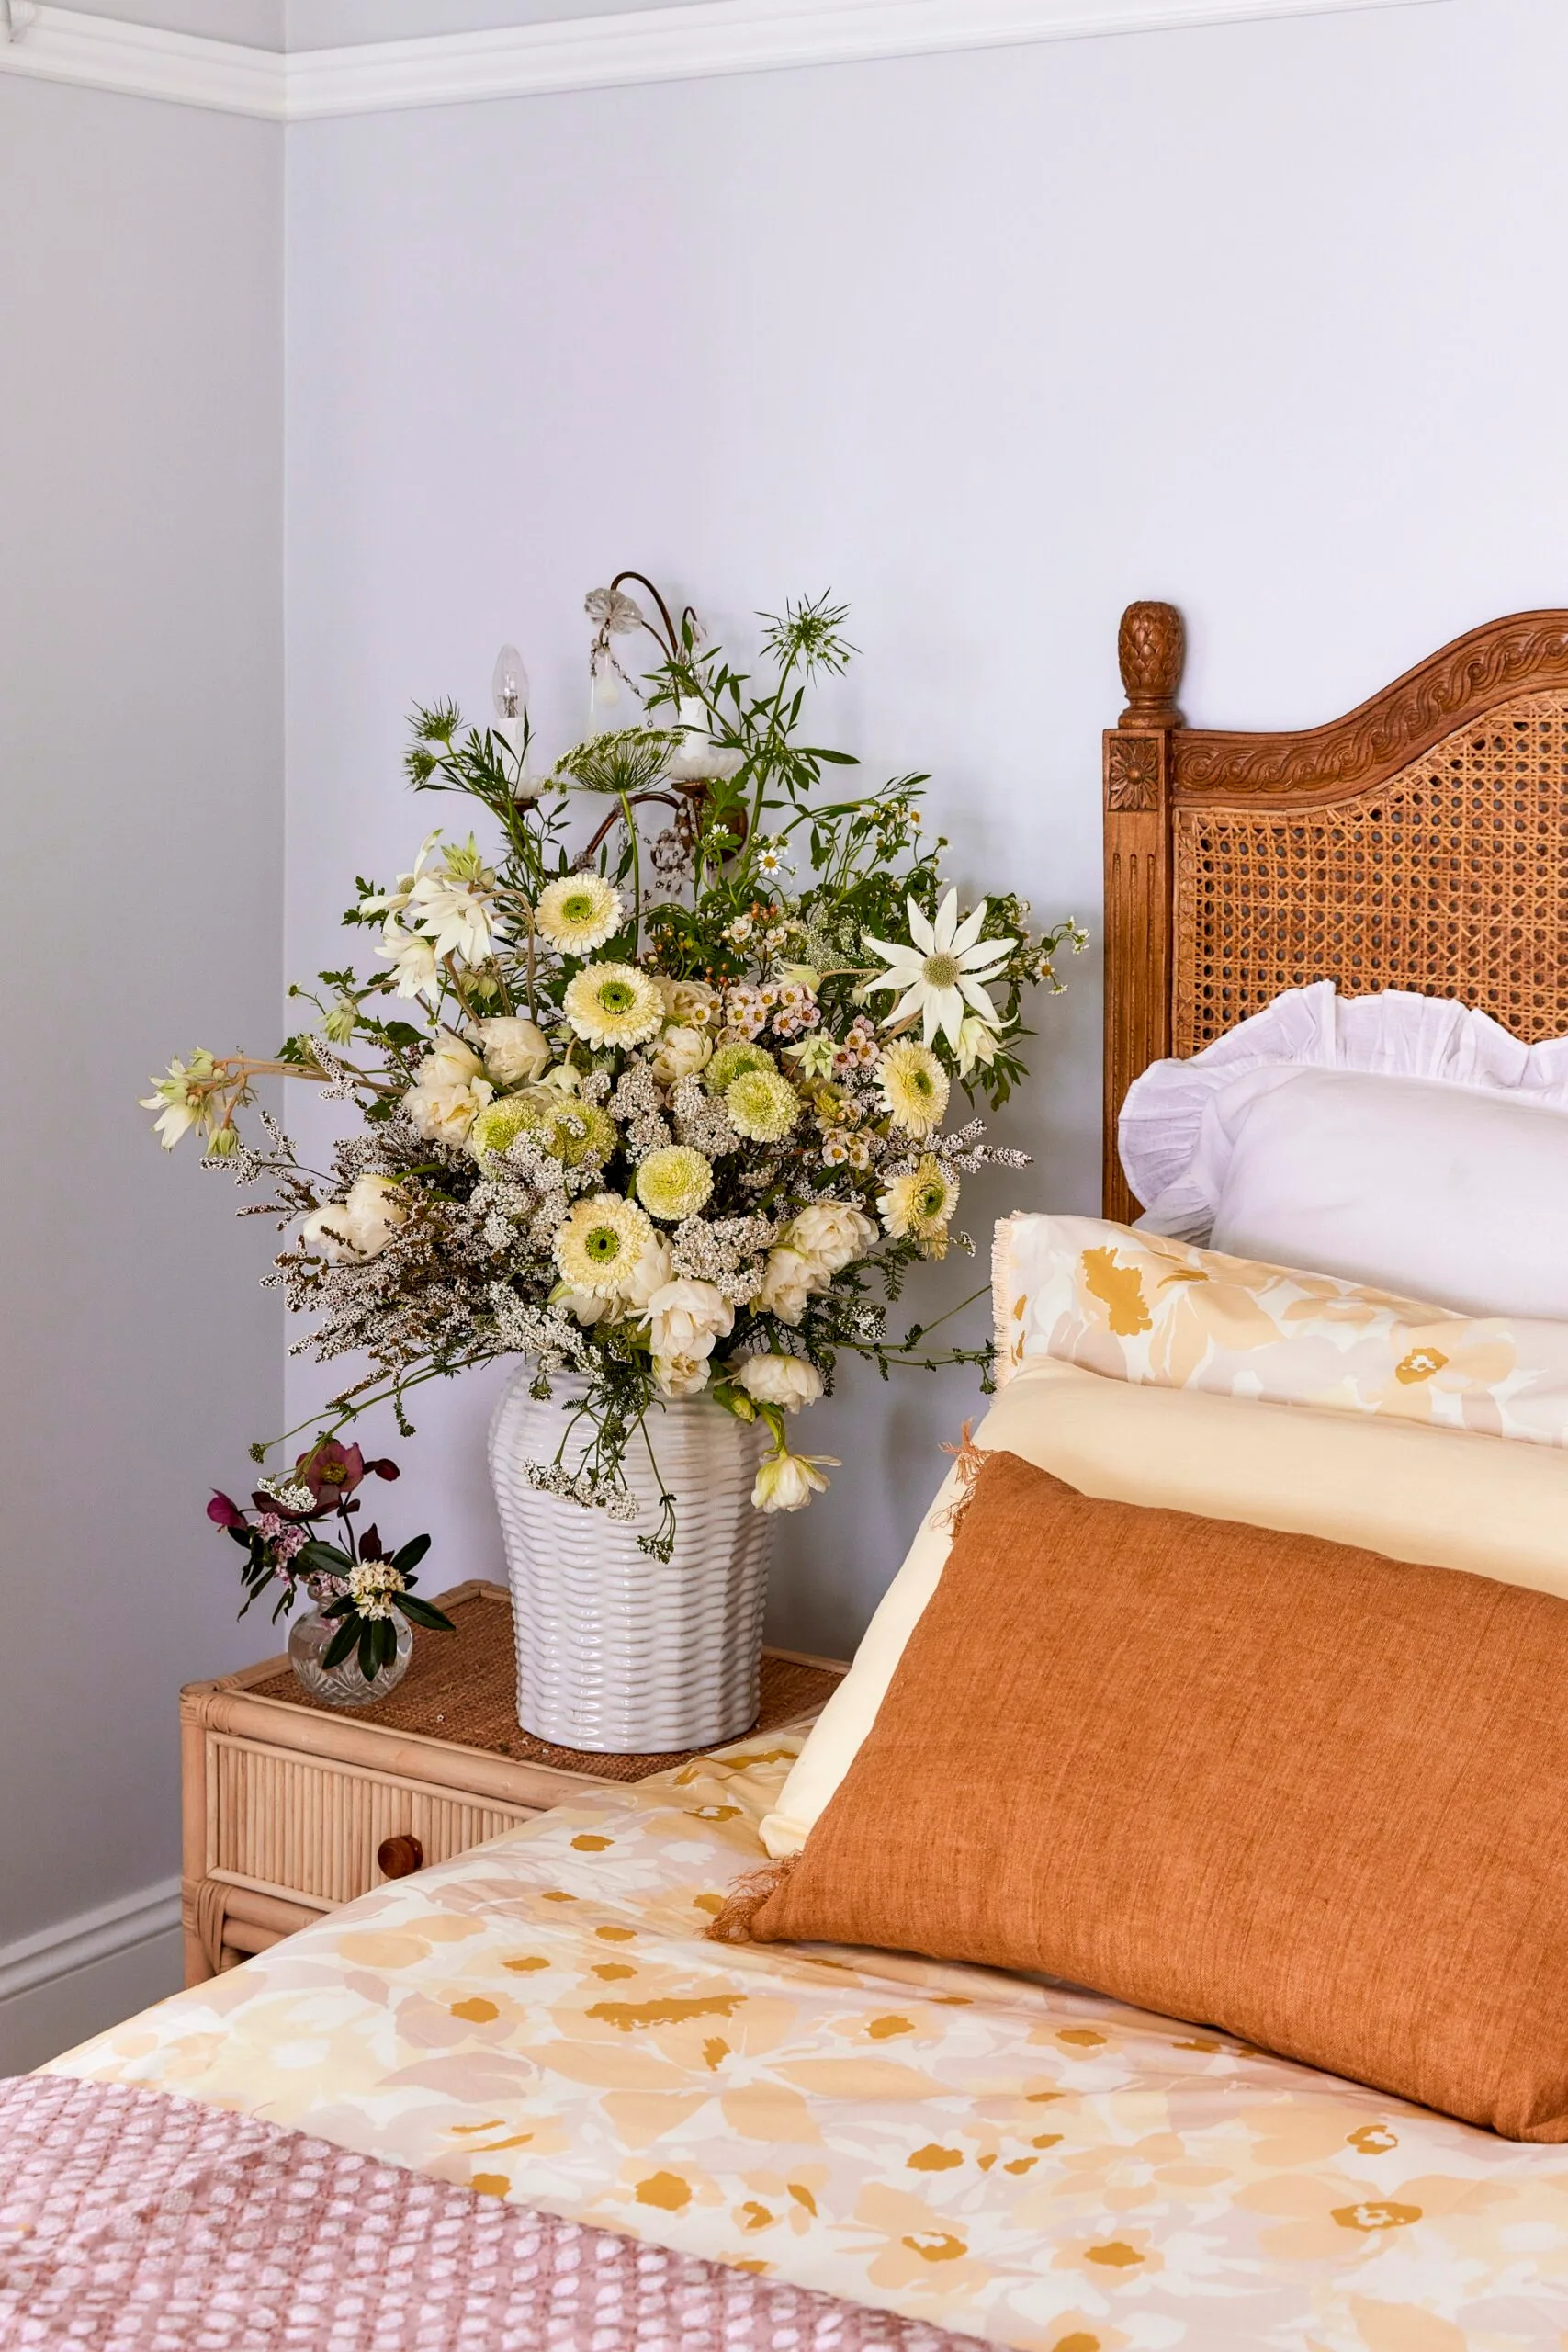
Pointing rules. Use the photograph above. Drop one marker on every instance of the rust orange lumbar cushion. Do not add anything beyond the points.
(1309, 1794)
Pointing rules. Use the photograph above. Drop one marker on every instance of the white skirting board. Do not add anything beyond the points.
(70, 1981)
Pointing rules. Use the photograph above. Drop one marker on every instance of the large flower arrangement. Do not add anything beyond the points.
(656, 1112)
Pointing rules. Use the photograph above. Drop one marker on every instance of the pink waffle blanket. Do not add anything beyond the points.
(130, 2221)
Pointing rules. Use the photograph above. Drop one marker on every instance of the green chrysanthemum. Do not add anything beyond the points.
(579, 1134)
(499, 1124)
(732, 1062)
(674, 1184)
(762, 1105)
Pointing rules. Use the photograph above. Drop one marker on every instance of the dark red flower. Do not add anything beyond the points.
(382, 1469)
(330, 1471)
(223, 1513)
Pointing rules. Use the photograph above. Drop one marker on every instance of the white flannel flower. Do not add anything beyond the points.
(942, 971)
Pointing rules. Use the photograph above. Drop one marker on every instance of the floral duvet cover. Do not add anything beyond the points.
(542, 2020)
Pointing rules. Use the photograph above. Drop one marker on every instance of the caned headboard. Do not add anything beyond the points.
(1421, 842)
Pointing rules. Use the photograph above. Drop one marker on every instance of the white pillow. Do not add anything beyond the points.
(1451, 1498)
(1397, 1140)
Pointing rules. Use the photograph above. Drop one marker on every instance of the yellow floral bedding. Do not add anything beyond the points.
(542, 2020)
(1140, 1307)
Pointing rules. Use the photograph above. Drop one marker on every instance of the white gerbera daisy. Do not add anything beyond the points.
(613, 1004)
(599, 1245)
(579, 913)
(921, 1205)
(942, 971)
(914, 1086)
(673, 1183)
(762, 1105)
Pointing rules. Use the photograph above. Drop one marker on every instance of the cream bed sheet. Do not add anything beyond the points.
(541, 2020)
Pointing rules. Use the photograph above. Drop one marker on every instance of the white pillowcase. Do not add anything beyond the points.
(1397, 1140)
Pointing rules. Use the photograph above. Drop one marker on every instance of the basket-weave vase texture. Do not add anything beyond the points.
(618, 1652)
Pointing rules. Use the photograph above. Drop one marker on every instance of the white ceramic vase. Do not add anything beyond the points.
(618, 1652)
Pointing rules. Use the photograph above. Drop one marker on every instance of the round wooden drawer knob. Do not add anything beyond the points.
(400, 1856)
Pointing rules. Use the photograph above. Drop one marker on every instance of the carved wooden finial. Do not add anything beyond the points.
(1152, 648)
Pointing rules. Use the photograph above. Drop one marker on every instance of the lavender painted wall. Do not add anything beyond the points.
(141, 756)
(1253, 318)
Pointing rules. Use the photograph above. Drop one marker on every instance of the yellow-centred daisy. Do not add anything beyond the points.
(919, 1206)
(613, 1004)
(914, 1086)
(598, 1247)
(578, 913)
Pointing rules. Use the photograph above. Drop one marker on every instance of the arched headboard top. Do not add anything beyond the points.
(1421, 842)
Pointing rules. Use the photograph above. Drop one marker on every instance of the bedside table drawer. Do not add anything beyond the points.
(291, 1824)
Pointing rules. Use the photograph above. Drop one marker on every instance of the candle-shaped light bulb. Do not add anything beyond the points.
(509, 687)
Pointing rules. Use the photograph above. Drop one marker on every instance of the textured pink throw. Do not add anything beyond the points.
(130, 2221)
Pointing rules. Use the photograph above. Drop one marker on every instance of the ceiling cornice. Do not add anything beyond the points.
(661, 44)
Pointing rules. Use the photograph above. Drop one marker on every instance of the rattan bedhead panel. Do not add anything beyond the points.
(1452, 879)
(1420, 843)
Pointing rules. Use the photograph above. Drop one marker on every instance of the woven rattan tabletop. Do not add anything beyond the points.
(463, 1687)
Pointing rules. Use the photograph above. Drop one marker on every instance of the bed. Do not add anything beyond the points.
(939, 2147)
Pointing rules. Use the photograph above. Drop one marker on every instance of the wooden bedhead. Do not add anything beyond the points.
(1421, 842)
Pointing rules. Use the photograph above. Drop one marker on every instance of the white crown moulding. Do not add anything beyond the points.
(664, 44)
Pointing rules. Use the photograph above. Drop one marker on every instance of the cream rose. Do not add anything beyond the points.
(680, 1053)
(516, 1052)
(680, 1376)
(449, 1091)
(359, 1226)
(788, 1281)
(788, 1381)
(654, 1269)
(832, 1235)
(685, 1319)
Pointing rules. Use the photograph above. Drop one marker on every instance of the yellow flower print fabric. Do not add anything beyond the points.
(1140, 1307)
(541, 2020)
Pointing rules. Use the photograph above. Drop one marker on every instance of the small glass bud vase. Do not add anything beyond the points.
(343, 1685)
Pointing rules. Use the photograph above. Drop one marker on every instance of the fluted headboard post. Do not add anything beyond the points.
(1152, 648)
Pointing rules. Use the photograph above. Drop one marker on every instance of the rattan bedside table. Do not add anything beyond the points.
(291, 1808)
